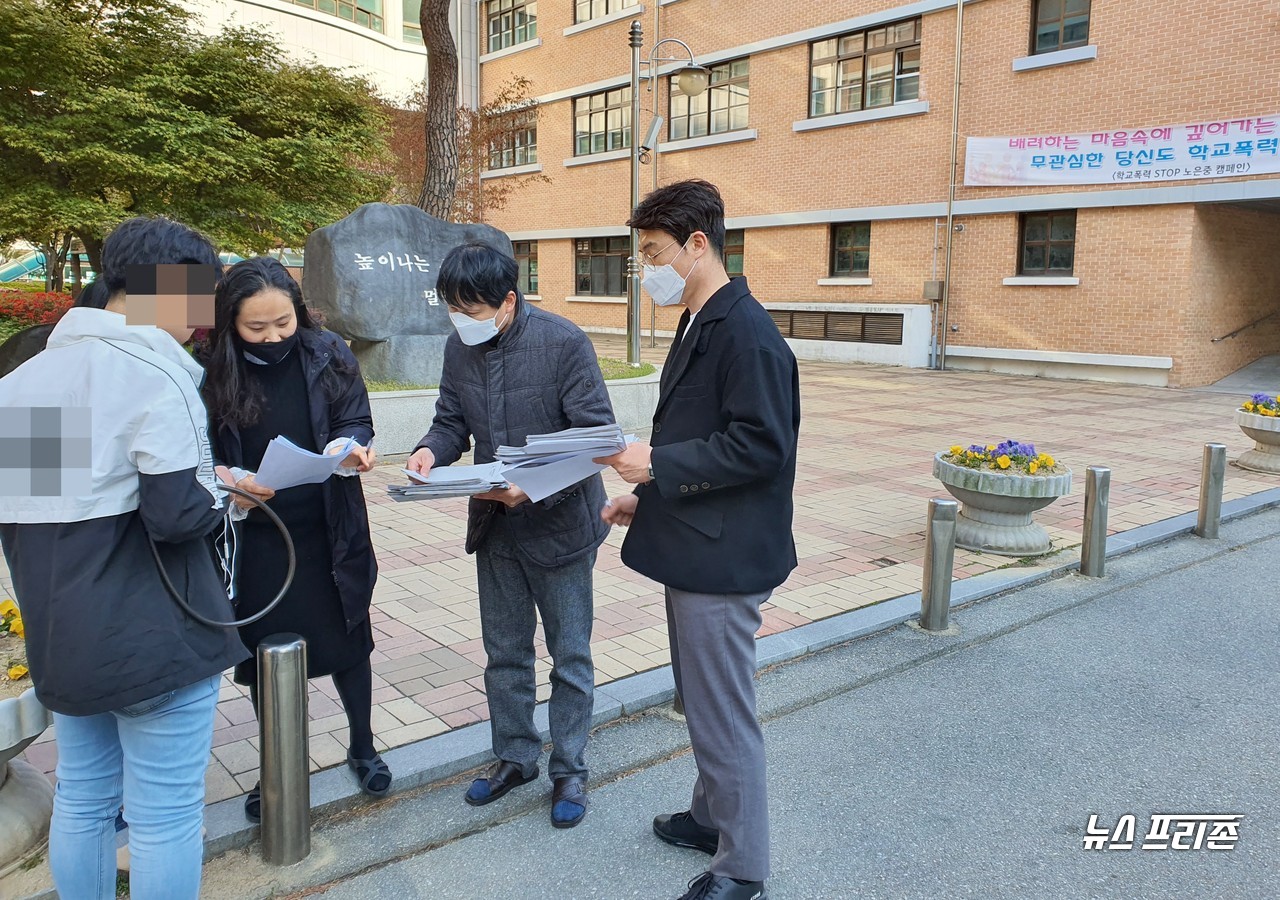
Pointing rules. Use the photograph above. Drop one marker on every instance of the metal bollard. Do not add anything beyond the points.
(1097, 497)
(282, 743)
(939, 562)
(1213, 474)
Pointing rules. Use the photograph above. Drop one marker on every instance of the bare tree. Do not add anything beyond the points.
(440, 182)
(485, 138)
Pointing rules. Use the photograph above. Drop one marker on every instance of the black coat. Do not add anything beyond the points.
(22, 346)
(717, 517)
(355, 568)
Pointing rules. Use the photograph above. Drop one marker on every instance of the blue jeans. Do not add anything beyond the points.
(513, 591)
(153, 755)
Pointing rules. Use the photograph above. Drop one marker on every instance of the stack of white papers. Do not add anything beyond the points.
(449, 481)
(546, 464)
(287, 465)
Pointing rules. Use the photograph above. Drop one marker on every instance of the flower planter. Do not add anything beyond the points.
(1265, 433)
(26, 796)
(996, 507)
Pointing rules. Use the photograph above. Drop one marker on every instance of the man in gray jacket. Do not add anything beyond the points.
(511, 371)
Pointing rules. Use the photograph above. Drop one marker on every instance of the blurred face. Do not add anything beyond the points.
(175, 298)
(266, 318)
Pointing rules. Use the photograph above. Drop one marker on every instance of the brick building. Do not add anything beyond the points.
(828, 128)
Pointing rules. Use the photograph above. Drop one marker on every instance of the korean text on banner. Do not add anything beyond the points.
(1224, 148)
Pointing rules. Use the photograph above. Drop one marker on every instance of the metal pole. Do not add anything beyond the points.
(1097, 498)
(635, 321)
(939, 561)
(951, 186)
(282, 743)
(1213, 474)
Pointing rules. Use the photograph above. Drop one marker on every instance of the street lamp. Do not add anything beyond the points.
(692, 80)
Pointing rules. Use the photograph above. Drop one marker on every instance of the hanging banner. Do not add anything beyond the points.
(1226, 148)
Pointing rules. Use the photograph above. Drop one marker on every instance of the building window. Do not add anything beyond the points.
(720, 108)
(511, 22)
(1059, 24)
(734, 239)
(586, 10)
(363, 12)
(527, 256)
(851, 250)
(602, 122)
(865, 69)
(601, 264)
(516, 146)
(411, 27)
(1048, 243)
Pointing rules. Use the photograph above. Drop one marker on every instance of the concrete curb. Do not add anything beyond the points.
(452, 753)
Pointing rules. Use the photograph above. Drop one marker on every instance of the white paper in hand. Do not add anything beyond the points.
(287, 465)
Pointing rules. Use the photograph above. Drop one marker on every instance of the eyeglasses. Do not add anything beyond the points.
(651, 259)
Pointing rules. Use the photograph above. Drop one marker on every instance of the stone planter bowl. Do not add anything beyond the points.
(996, 508)
(1265, 433)
(26, 796)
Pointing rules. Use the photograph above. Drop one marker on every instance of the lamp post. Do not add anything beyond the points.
(951, 185)
(692, 80)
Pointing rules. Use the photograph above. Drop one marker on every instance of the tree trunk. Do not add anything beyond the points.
(440, 183)
(55, 259)
(77, 277)
(92, 247)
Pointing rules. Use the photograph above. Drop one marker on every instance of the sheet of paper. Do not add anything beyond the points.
(287, 465)
(540, 482)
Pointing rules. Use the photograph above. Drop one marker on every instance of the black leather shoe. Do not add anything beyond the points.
(680, 830)
(718, 887)
(501, 778)
(253, 804)
(568, 801)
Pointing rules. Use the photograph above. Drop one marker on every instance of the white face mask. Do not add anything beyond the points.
(474, 331)
(664, 284)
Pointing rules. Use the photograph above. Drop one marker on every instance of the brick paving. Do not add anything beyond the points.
(867, 440)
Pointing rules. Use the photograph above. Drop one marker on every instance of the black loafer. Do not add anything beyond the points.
(253, 804)
(680, 830)
(501, 778)
(568, 801)
(717, 887)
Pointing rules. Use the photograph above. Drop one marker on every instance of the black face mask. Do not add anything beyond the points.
(271, 354)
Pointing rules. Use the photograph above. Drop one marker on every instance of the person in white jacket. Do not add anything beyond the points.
(111, 452)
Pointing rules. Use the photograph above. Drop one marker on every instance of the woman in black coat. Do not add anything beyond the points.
(274, 371)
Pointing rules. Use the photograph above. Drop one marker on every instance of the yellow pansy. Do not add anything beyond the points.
(957, 450)
(15, 626)
(8, 608)
(1047, 460)
(1033, 467)
(1248, 406)
(1004, 462)
(16, 672)
(990, 447)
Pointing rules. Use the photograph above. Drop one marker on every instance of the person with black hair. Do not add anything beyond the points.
(132, 680)
(511, 371)
(710, 520)
(274, 371)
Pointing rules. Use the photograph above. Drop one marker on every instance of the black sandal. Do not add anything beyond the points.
(253, 804)
(368, 769)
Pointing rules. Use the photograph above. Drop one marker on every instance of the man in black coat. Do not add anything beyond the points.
(710, 519)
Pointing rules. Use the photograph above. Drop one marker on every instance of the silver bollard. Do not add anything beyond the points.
(282, 743)
(1097, 497)
(939, 563)
(1213, 474)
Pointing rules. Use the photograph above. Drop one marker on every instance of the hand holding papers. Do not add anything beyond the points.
(547, 463)
(287, 465)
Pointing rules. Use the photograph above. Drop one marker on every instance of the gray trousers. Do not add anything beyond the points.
(713, 657)
(512, 592)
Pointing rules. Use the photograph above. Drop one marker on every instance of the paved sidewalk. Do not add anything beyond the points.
(914, 766)
(867, 441)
